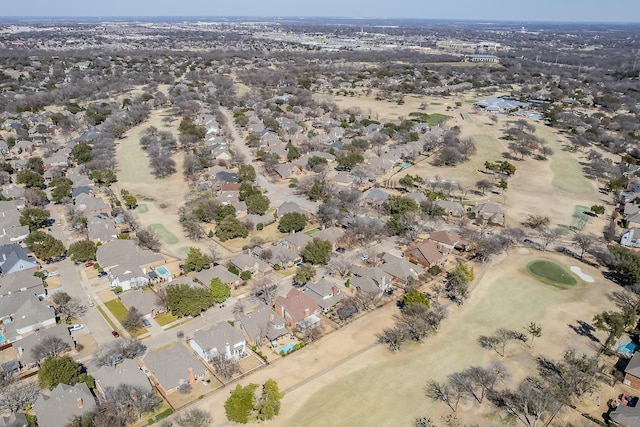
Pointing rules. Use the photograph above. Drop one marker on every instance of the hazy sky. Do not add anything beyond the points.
(490, 10)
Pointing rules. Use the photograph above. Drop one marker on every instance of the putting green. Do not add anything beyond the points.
(551, 273)
(164, 234)
(142, 208)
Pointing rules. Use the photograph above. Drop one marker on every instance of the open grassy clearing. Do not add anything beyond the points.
(551, 273)
(165, 318)
(165, 235)
(119, 311)
(142, 208)
(384, 389)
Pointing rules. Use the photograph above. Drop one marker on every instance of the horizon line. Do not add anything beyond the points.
(299, 17)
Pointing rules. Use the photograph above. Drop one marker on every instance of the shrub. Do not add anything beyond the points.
(117, 289)
(245, 275)
(233, 270)
(259, 226)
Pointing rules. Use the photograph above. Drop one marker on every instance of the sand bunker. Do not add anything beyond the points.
(578, 272)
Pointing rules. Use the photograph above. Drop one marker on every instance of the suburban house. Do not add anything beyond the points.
(205, 276)
(262, 323)
(221, 339)
(126, 252)
(632, 372)
(325, 294)
(245, 262)
(24, 347)
(629, 238)
(298, 309)
(11, 231)
(55, 408)
(22, 281)
(489, 212)
(448, 240)
(296, 241)
(127, 277)
(288, 207)
(170, 367)
(91, 205)
(331, 234)
(400, 269)
(427, 253)
(144, 302)
(101, 229)
(376, 197)
(125, 372)
(28, 315)
(14, 419)
(14, 257)
(372, 280)
(451, 208)
(278, 255)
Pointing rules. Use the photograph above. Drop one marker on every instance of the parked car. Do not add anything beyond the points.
(102, 274)
(45, 273)
(90, 304)
(116, 360)
(364, 257)
(89, 264)
(146, 323)
(115, 334)
(340, 250)
(76, 327)
(53, 273)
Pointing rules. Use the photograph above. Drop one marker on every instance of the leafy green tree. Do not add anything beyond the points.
(184, 300)
(60, 193)
(247, 190)
(597, 209)
(240, 404)
(414, 296)
(81, 153)
(315, 162)
(257, 204)
(317, 251)
(534, 330)
(82, 251)
(196, 260)
(6, 167)
(502, 184)
(219, 290)
(103, 177)
(292, 221)
(130, 200)
(457, 282)
(30, 179)
(43, 245)
(34, 218)
(398, 205)
(269, 405)
(246, 173)
(56, 370)
(615, 323)
(230, 228)
(292, 152)
(189, 127)
(304, 274)
(349, 161)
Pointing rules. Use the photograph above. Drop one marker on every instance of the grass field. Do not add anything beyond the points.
(551, 273)
(576, 224)
(164, 234)
(358, 391)
(142, 208)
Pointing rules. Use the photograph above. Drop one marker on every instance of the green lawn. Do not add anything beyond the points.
(576, 224)
(312, 231)
(117, 308)
(436, 118)
(551, 273)
(164, 234)
(165, 318)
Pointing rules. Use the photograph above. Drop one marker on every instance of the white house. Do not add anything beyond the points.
(631, 238)
(220, 339)
(128, 277)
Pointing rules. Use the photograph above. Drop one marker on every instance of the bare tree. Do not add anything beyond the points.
(148, 239)
(49, 346)
(443, 392)
(68, 307)
(265, 289)
(225, 366)
(584, 242)
(393, 337)
(17, 395)
(194, 418)
(549, 236)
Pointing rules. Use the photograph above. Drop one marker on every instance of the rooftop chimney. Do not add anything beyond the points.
(80, 403)
(192, 377)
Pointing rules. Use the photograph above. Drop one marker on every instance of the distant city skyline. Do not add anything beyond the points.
(627, 11)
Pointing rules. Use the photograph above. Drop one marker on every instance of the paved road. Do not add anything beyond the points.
(277, 191)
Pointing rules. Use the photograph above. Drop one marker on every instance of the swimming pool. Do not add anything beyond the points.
(534, 116)
(285, 349)
(1, 338)
(627, 347)
(406, 165)
(162, 271)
